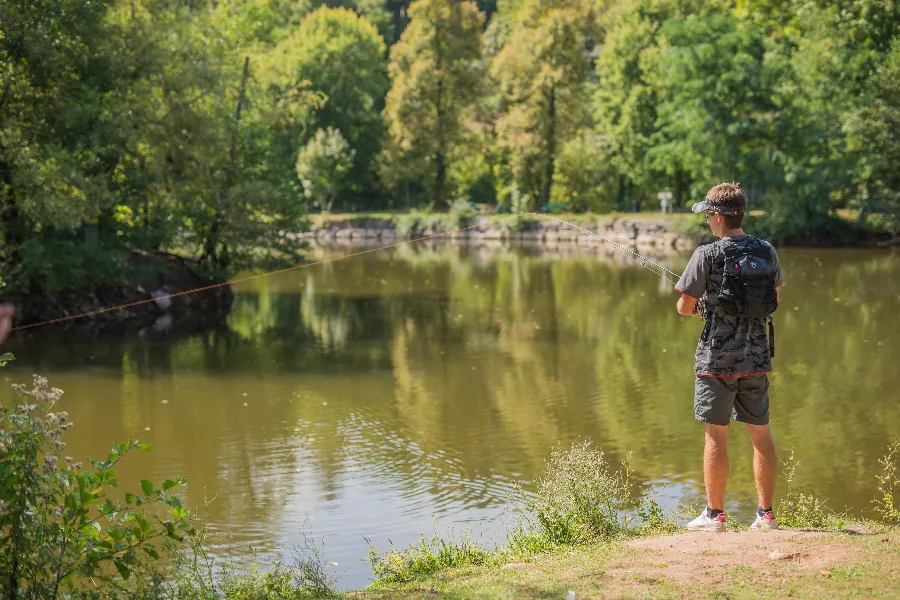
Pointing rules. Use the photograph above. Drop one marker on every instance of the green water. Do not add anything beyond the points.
(390, 393)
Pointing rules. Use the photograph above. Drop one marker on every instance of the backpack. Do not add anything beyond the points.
(748, 283)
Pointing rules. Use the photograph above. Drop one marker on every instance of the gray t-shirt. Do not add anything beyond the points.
(729, 346)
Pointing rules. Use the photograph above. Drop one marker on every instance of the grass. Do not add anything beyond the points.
(575, 533)
(601, 570)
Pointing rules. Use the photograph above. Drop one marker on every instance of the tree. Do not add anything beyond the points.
(341, 56)
(875, 130)
(53, 65)
(715, 102)
(540, 70)
(435, 75)
(585, 178)
(323, 165)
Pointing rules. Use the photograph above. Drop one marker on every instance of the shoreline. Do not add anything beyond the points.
(856, 561)
(648, 235)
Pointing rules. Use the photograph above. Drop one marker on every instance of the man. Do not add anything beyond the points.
(734, 284)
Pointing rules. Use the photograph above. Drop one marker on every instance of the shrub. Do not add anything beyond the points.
(799, 510)
(889, 486)
(428, 555)
(323, 167)
(581, 499)
(61, 535)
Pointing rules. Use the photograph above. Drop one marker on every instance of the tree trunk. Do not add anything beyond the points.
(217, 256)
(551, 149)
(440, 158)
(679, 188)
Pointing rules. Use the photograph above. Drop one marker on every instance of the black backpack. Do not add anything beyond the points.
(748, 284)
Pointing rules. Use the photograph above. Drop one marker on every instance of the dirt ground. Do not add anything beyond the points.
(702, 557)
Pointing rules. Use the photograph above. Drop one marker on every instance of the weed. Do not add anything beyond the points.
(798, 510)
(889, 486)
(459, 213)
(581, 499)
(428, 555)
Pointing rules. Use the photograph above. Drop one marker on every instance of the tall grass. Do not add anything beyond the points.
(582, 499)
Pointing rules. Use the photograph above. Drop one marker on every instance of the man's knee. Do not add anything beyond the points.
(760, 435)
(717, 434)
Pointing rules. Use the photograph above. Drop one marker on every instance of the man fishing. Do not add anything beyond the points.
(734, 284)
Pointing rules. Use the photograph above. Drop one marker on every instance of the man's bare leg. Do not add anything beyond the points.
(715, 465)
(765, 463)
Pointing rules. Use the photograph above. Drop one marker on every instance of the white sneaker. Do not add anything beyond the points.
(764, 523)
(706, 523)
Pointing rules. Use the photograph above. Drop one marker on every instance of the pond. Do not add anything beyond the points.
(401, 392)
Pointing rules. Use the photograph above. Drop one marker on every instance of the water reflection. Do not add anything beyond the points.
(369, 396)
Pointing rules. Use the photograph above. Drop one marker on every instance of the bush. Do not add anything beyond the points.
(323, 167)
(803, 511)
(584, 179)
(53, 265)
(459, 214)
(61, 535)
(426, 556)
(889, 485)
(581, 499)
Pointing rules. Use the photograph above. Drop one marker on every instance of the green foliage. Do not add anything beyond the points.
(435, 75)
(341, 56)
(798, 510)
(427, 556)
(580, 500)
(583, 178)
(540, 70)
(304, 579)
(875, 130)
(61, 533)
(57, 265)
(888, 506)
(459, 213)
(323, 165)
(178, 125)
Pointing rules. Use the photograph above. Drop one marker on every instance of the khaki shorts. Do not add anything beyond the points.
(744, 399)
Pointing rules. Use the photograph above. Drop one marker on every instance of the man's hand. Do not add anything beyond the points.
(687, 305)
(6, 314)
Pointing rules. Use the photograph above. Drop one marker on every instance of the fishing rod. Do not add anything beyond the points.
(644, 261)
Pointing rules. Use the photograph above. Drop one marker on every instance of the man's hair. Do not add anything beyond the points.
(729, 197)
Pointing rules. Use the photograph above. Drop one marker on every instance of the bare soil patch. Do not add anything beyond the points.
(699, 558)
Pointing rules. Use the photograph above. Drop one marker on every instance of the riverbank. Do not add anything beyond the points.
(857, 562)
(149, 297)
(646, 233)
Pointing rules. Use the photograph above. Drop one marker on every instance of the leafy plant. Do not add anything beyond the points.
(323, 165)
(61, 533)
(582, 499)
(459, 214)
(428, 555)
(799, 510)
(888, 506)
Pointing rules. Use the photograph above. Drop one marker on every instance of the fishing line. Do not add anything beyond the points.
(644, 260)
(232, 281)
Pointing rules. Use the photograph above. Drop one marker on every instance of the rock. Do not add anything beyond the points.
(162, 300)
(780, 555)
(164, 323)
